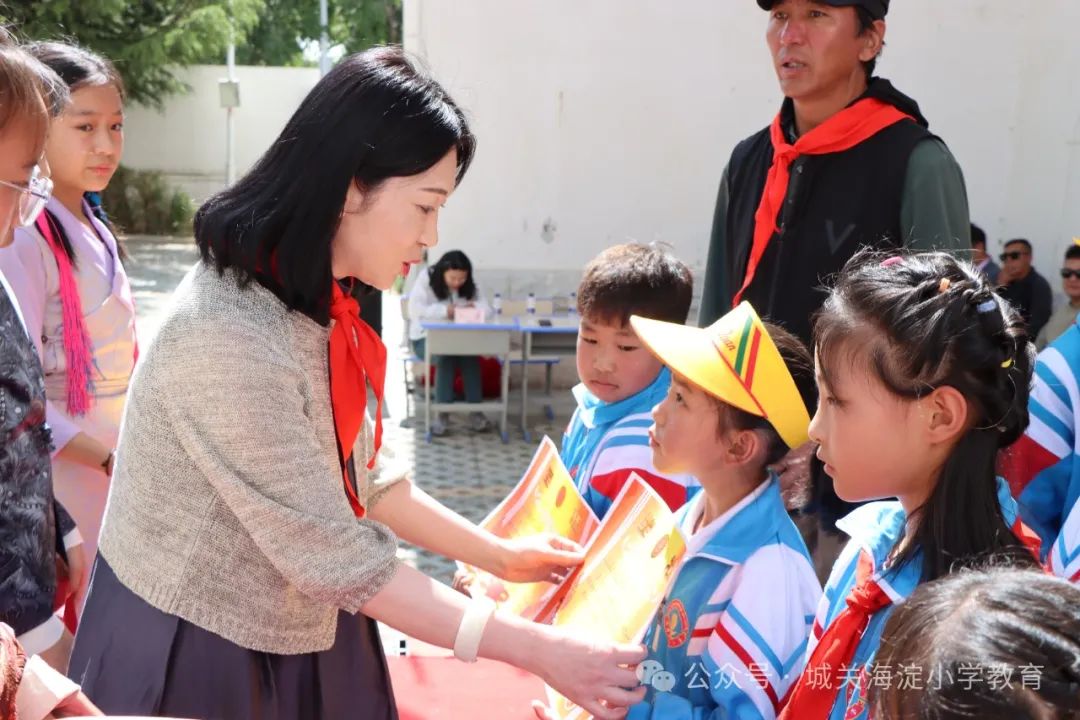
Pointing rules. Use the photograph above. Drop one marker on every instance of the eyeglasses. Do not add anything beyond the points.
(34, 194)
(1014, 255)
(1067, 273)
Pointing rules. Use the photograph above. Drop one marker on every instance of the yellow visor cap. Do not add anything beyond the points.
(736, 361)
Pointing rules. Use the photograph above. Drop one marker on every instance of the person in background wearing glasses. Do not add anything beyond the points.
(1065, 316)
(74, 293)
(1024, 287)
(38, 537)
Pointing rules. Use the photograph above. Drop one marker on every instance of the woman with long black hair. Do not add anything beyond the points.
(250, 539)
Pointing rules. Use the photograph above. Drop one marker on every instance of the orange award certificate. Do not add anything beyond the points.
(629, 566)
(545, 501)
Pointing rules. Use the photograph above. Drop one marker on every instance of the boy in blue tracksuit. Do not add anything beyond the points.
(607, 439)
(730, 639)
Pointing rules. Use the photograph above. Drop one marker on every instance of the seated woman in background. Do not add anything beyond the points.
(447, 286)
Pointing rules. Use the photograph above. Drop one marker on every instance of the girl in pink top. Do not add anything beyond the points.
(70, 282)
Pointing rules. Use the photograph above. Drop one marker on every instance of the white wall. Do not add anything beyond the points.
(604, 120)
(187, 139)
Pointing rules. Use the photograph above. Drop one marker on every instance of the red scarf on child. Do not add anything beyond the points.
(357, 357)
(815, 693)
(819, 685)
(844, 130)
(78, 346)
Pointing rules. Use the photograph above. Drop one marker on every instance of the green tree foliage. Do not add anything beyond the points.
(146, 39)
(149, 39)
(286, 27)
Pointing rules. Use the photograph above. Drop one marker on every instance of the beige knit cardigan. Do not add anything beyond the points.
(227, 505)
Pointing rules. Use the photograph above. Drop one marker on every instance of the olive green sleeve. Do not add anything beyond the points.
(934, 212)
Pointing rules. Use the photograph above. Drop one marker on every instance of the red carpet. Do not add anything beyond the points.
(440, 688)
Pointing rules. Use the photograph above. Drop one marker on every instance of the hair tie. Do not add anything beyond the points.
(894, 260)
(943, 285)
(987, 306)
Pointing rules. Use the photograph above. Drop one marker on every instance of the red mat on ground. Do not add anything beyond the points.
(437, 688)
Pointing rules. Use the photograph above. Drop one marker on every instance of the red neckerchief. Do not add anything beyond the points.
(844, 130)
(357, 357)
(812, 696)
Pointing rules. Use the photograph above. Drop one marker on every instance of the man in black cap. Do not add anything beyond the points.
(848, 162)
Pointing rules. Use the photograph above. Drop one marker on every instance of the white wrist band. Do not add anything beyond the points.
(471, 630)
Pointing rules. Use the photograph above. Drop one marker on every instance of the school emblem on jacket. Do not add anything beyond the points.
(857, 690)
(676, 624)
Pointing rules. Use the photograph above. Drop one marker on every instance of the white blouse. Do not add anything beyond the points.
(424, 306)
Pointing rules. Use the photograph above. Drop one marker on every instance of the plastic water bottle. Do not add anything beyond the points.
(496, 304)
(530, 304)
(573, 304)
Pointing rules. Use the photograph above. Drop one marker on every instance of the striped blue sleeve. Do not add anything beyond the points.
(756, 648)
(1044, 457)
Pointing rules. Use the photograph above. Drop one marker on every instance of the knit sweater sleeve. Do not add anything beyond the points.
(239, 412)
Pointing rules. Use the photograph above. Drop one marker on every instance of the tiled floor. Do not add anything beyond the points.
(468, 472)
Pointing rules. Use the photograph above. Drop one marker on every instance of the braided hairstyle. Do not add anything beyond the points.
(926, 321)
(1000, 644)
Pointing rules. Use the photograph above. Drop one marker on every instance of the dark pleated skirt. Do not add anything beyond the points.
(133, 659)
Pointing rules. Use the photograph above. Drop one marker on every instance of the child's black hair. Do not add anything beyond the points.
(995, 645)
(78, 68)
(918, 323)
(635, 279)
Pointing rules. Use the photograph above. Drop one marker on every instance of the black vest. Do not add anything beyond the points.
(835, 204)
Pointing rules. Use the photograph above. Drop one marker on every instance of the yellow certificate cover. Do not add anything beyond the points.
(629, 567)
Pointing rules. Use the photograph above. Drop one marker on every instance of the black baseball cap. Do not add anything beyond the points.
(876, 8)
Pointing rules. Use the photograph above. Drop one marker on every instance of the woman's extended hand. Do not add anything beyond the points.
(593, 675)
(538, 558)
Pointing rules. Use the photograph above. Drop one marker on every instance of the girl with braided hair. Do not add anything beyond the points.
(923, 374)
